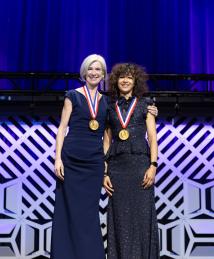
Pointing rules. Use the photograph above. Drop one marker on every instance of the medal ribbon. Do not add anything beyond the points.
(124, 123)
(93, 105)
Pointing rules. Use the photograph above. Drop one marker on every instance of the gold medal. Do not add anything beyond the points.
(93, 124)
(124, 134)
(93, 108)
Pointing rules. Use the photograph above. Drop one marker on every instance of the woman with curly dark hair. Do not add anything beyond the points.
(138, 72)
(132, 163)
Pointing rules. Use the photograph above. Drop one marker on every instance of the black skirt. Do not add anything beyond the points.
(132, 222)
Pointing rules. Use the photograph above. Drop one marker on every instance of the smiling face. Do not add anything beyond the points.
(126, 84)
(94, 74)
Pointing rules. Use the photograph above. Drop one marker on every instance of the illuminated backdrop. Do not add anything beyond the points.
(184, 193)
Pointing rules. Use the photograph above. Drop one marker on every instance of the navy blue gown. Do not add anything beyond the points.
(76, 232)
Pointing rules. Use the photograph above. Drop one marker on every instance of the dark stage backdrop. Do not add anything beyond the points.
(166, 36)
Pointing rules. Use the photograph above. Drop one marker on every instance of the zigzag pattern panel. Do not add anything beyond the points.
(27, 186)
(184, 187)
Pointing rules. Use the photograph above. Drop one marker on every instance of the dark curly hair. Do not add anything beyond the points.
(126, 69)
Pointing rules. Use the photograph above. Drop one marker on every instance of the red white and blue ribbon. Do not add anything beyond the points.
(93, 105)
(124, 122)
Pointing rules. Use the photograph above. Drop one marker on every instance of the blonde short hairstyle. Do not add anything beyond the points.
(88, 61)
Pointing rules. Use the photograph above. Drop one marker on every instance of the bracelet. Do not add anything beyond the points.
(154, 163)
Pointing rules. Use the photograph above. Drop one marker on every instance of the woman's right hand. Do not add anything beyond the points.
(107, 185)
(153, 110)
(59, 169)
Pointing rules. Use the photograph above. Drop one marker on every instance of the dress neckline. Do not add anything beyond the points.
(85, 97)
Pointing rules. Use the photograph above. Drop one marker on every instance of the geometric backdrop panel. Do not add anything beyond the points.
(184, 187)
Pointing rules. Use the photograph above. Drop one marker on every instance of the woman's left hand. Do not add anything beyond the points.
(108, 185)
(153, 110)
(149, 177)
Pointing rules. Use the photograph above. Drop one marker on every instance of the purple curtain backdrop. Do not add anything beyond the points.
(165, 36)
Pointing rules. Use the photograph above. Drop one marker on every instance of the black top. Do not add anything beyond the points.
(136, 143)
